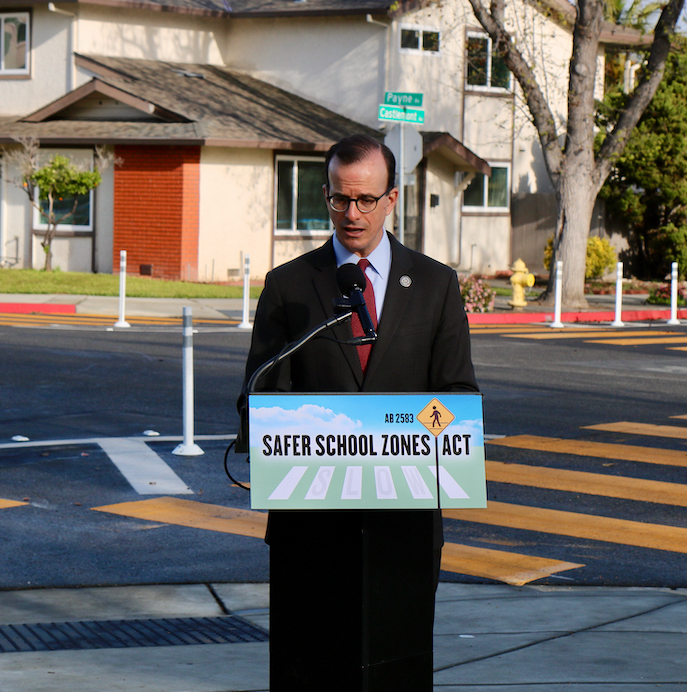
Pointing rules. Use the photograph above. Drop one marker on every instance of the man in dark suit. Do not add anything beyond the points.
(352, 592)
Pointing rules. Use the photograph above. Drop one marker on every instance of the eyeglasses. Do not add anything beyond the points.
(365, 204)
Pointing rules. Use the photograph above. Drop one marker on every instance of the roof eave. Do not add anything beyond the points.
(456, 152)
(381, 9)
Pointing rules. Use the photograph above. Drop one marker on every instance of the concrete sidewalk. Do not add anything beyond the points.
(488, 638)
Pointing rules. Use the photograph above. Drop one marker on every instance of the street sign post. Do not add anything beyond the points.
(405, 142)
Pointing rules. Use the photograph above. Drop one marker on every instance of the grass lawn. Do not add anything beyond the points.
(76, 283)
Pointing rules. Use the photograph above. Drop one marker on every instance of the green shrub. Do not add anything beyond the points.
(601, 257)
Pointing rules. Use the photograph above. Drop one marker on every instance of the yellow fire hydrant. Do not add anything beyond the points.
(520, 278)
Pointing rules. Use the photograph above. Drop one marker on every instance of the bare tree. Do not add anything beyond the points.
(577, 173)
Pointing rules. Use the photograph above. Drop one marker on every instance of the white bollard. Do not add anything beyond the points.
(121, 322)
(618, 297)
(188, 448)
(557, 324)
(673, 295)
(245, 322)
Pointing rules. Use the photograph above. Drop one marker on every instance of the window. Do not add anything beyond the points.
(14, 43)
(418, 39)
(485, 69)
(81, 220)
(300, 203)
(488, 194)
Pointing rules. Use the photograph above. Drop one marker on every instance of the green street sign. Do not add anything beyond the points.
(401, 114)
(399, 98)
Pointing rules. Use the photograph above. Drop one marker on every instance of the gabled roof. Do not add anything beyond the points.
(131, 101)
(185, 103)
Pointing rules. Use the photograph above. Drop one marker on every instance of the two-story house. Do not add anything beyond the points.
(219, 113)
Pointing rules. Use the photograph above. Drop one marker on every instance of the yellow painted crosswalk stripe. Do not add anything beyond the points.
(642, 342)
(673, 431)
(603, 450)
(572, 524)
(197, 515)
(6, 504)
(500, 565)
(589, 334)
(35, 319)
(510, 568)
(600, 484)
(506, 328)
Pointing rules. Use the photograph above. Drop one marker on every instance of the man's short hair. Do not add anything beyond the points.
(355, 148)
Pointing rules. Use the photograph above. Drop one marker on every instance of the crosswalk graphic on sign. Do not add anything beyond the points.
(386, 483)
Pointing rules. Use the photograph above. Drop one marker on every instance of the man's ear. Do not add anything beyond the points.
(392, 198)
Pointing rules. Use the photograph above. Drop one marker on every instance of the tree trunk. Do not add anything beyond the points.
(575, 208)
(47, 243)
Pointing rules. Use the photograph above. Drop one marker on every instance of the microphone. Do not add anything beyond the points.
(352, 282)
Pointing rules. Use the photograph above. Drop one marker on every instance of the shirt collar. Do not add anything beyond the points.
(379, 258)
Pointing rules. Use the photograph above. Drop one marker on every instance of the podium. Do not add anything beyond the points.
(355, 484)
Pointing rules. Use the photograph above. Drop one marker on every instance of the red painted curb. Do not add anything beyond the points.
(531, 317)
(43, 308)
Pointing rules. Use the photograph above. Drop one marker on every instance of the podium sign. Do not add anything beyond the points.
(367, 451)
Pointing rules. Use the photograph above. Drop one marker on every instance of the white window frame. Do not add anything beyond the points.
(23, 71)
(487, 86)
(484, 208)
(294, 231)
(39, 226)
(422, 29)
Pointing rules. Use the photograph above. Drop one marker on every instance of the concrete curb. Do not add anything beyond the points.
(43, 308)
(648, 315)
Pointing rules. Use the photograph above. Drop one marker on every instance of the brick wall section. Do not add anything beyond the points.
(156, 209)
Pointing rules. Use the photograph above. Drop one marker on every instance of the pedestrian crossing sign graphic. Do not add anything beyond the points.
(435, 417)
(366, 451)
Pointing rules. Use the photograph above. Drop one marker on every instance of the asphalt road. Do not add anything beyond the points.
(61, 384)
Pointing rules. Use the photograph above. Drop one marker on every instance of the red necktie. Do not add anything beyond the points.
(369, 295)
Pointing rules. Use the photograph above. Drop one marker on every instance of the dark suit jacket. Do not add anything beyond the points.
(423, 340)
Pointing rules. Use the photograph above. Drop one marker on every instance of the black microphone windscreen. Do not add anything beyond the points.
(350, 277)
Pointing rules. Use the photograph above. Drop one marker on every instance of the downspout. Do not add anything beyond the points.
(72, 44)
(370, 20)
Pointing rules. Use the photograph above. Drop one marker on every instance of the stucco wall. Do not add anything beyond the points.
(104, 223)
(68, 254)
(441, 221)
(236, 192)
(484, 243)
(286, 250)
(15, 230)
(339, 63)
(151, 35)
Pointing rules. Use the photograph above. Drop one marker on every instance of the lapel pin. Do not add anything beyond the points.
(405, 281)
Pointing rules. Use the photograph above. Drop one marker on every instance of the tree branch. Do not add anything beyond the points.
(615, 142)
